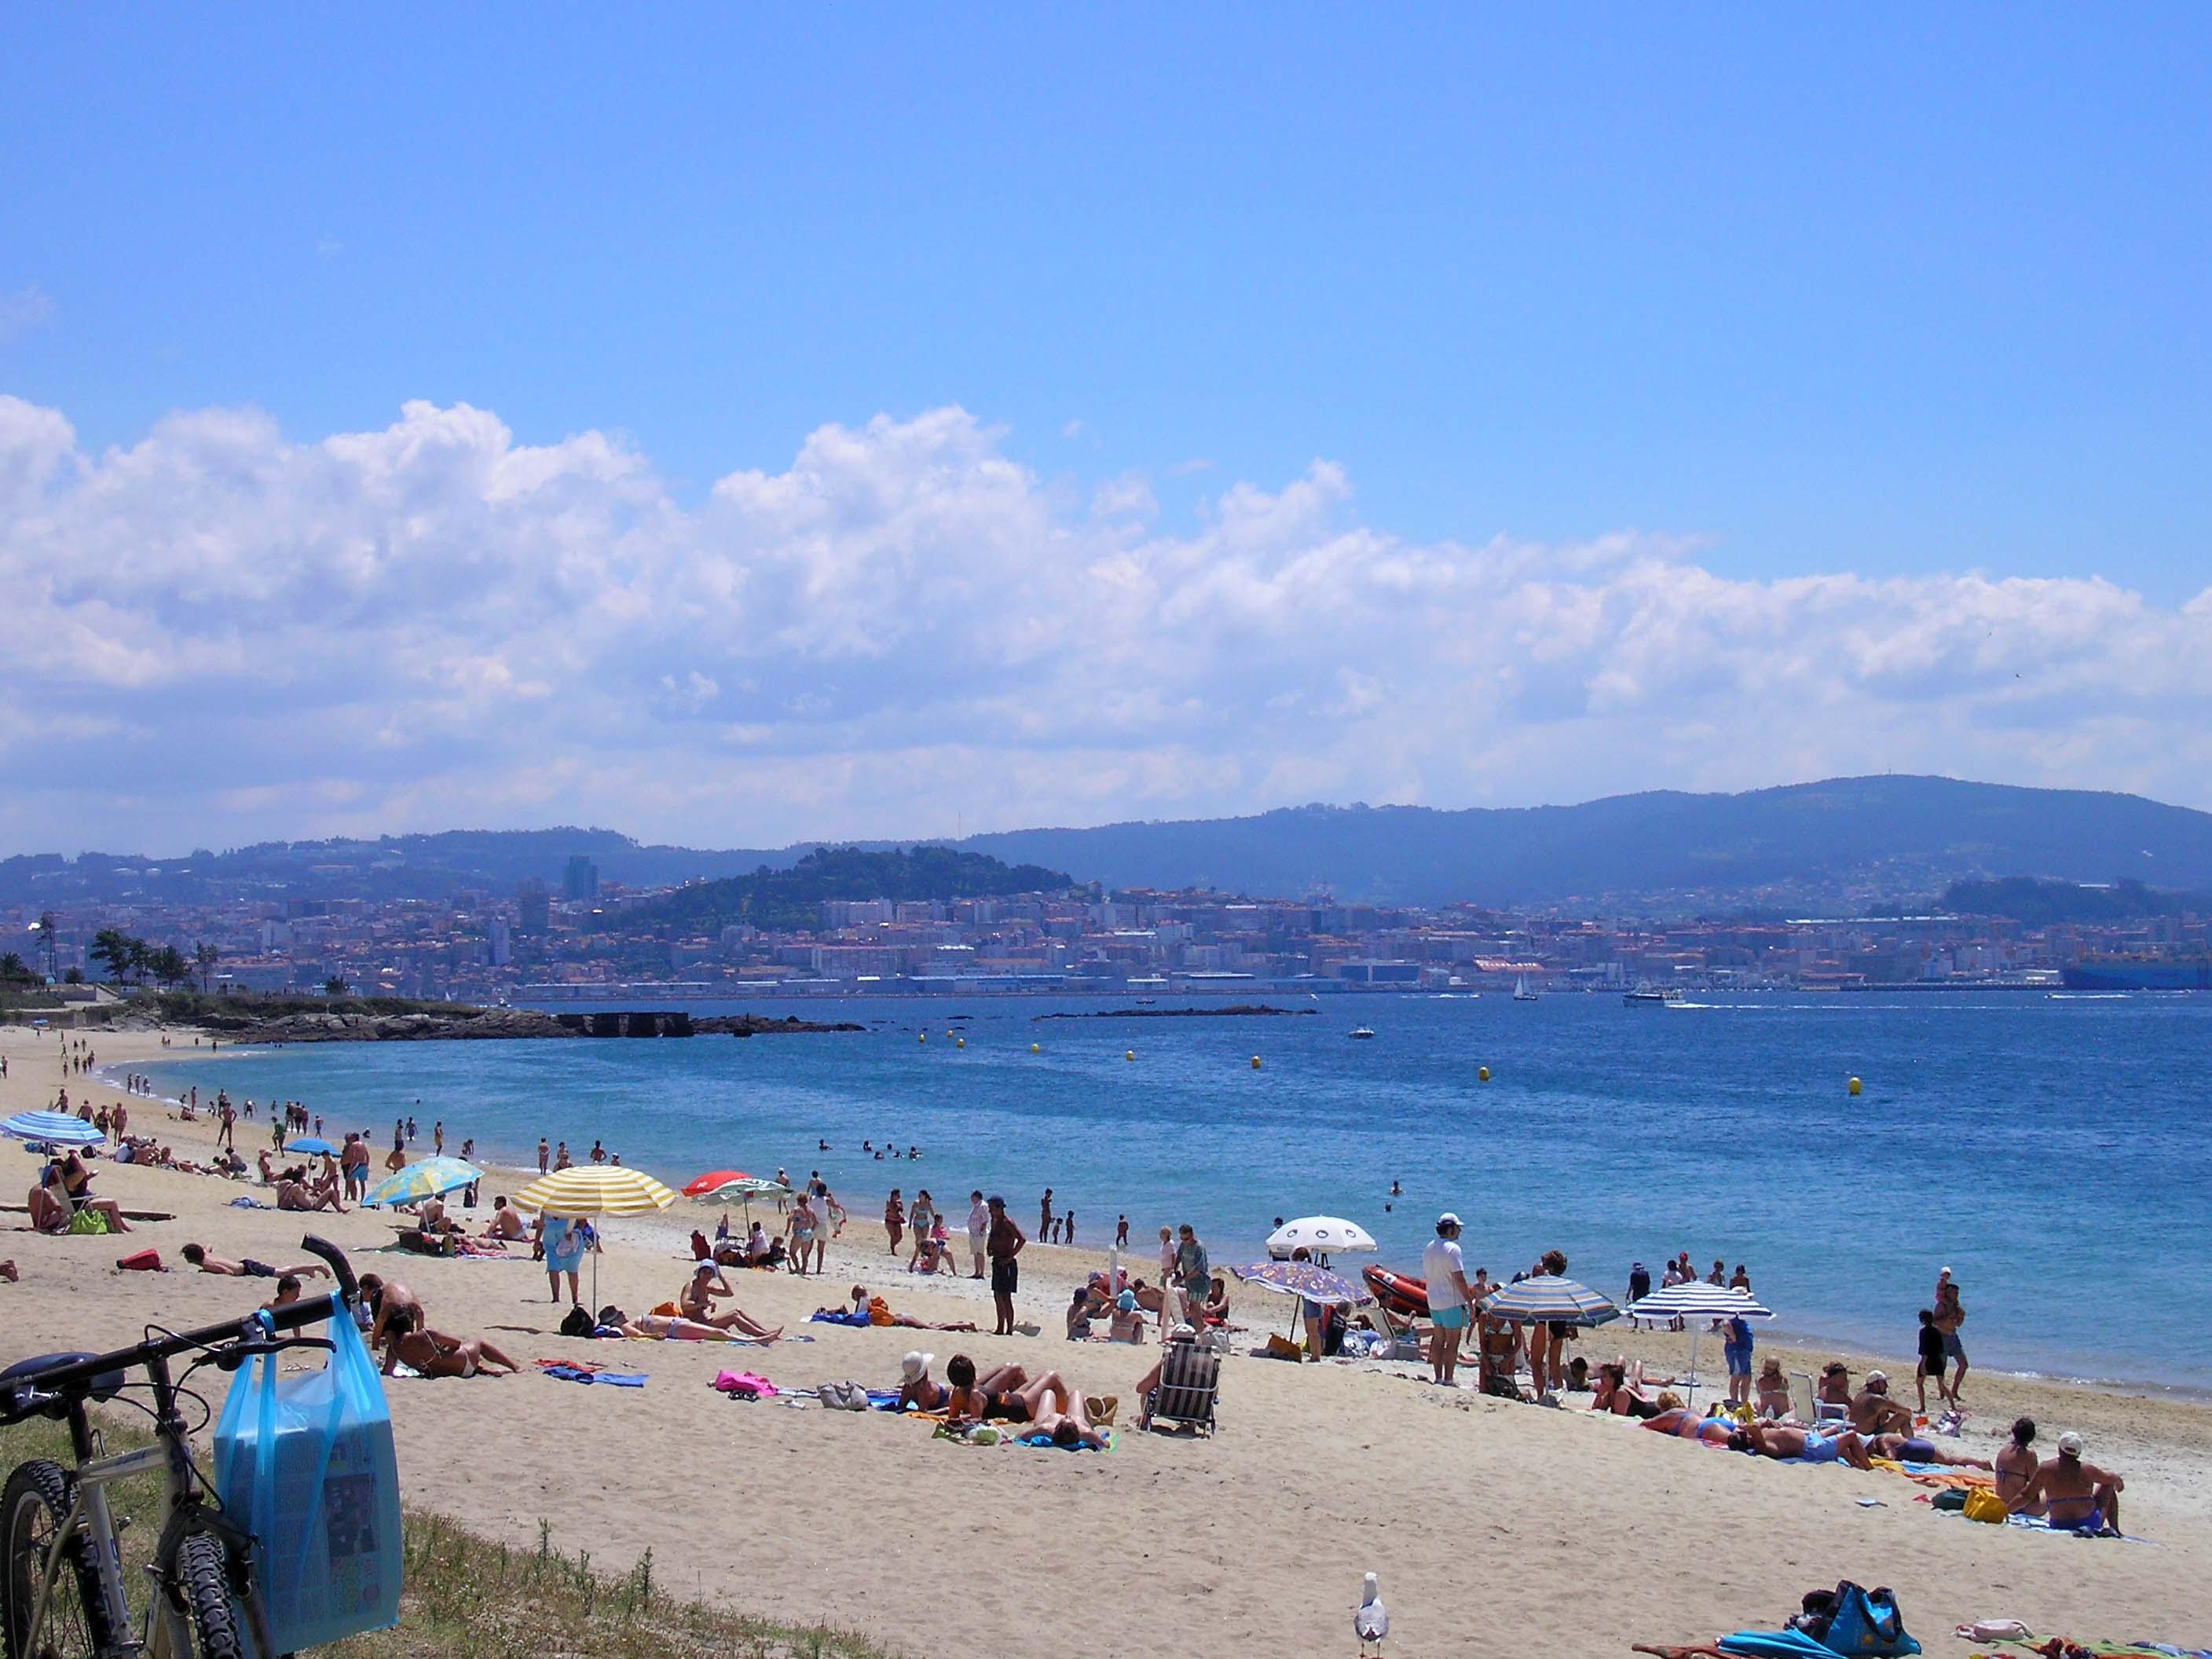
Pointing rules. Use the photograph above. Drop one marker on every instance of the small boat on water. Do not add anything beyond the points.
(1363, 1032)
(1521, 991)
(1645, 992)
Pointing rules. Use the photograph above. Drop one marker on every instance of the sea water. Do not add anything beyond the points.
(2052, 1151)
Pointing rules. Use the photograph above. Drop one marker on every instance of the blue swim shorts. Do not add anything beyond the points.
(1447, 1319)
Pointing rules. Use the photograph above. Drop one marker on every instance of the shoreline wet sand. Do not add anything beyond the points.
(1253, 1541)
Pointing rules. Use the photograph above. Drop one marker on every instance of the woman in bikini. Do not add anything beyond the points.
(1773, 1391)
(697, 1303)
(1006, 1395)
(2017, 1465)
(408, 1341)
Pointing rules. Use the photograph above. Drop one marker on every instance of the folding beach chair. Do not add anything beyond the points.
(1808, 1408)
(1190, 1382)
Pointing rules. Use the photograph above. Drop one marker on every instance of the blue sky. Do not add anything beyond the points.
(1873, 293)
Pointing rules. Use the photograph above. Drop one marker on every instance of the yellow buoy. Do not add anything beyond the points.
(921, 1036)
(960, 1042)
(1482, 1074)
(1852, 1086)
(1036, 1048)
(1255, 1062)
(1128, 1054)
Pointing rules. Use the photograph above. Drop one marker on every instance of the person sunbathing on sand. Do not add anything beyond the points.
(1685, 1424)
(663, 1327)
(1773, 1392)
(1778, 1440)
(2016, 1465)
(2072, 1496)
(1006, 1395)
(865, 1305)
(408, 1341)
(247, 1268)
(1071, 1427)
(697, 1303)
(1873, 1411)
(505, 1223)
(1916, 1449)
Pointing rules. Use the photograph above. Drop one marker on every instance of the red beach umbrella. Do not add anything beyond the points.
(712, 1181)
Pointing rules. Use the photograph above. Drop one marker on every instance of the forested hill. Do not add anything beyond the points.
(1846, 842)
(793, 897)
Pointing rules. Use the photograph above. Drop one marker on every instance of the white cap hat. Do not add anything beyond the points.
(1448, 1219)
(2069, 1444)
(1874, 1377)
(916, 1365)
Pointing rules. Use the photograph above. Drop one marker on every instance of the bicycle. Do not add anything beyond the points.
(63, 1594)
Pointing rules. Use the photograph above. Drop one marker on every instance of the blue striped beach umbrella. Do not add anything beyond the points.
(58, 1129)
(1549, 1299)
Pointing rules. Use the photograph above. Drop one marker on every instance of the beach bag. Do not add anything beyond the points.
(576, 1322)
(140, 1262)
(88, 1223)
(879, 1311)
(1867, 1624)
(843, 1396)
(1983, 1504)
(306, 1462)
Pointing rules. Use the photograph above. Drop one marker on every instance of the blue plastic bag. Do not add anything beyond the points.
(306, 1462)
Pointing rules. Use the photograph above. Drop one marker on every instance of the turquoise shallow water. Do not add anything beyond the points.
(2054, 1152)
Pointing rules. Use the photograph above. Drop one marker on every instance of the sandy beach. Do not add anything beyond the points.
(1492, 1525)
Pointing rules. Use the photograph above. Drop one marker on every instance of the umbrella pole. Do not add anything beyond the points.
(1693, 1363)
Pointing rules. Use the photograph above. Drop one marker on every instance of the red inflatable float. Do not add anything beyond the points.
(1403, 1295)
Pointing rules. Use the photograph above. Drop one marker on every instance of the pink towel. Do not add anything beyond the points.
(745, 1383)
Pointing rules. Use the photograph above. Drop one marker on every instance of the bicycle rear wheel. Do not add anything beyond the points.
(204, 1579)
(35, 1506)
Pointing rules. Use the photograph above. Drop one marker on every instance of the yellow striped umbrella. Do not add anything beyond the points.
(595, 1189)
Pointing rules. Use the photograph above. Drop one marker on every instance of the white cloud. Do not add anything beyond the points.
(433, 624)
(22, 310)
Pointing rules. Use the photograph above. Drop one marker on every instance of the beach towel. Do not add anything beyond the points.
(247, 1201)
(744, 1385)
(1046, 1442)
(858, 1319)
(562, 1372)
(2059, 1647)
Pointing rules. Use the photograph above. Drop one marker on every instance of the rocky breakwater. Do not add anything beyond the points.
(469, 1024)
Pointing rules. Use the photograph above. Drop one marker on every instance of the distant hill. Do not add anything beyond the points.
(792, 898)
(1841, 841)
(1844, 842)
(2023, 898)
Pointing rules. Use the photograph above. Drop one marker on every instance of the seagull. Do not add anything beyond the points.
(1372, 1622)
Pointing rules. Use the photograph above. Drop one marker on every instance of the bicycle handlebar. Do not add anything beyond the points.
(80, 1375)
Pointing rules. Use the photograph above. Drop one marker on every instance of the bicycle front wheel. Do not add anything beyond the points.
(211, 1610)
(35, 1508)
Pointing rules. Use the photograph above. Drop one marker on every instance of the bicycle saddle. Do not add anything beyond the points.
(104, 1386)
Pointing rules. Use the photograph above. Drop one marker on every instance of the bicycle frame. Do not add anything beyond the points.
(172, 1456)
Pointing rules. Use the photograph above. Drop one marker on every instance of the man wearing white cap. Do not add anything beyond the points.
(2081, 1496)
(1450, 1299)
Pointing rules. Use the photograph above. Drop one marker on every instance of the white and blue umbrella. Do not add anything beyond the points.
(57, 1128)
(1547, 1299)
(1696, 1300)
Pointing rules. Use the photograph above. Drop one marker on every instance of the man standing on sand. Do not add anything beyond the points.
(1005, 1244)
(1949, 1316)
(979, 1232)
(1194, 1272)
(1044, 1213)
(2075, 1495)
(1122, 1234)
(1444, 1269)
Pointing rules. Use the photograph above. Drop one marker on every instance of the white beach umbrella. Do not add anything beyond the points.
(1320, 1236)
